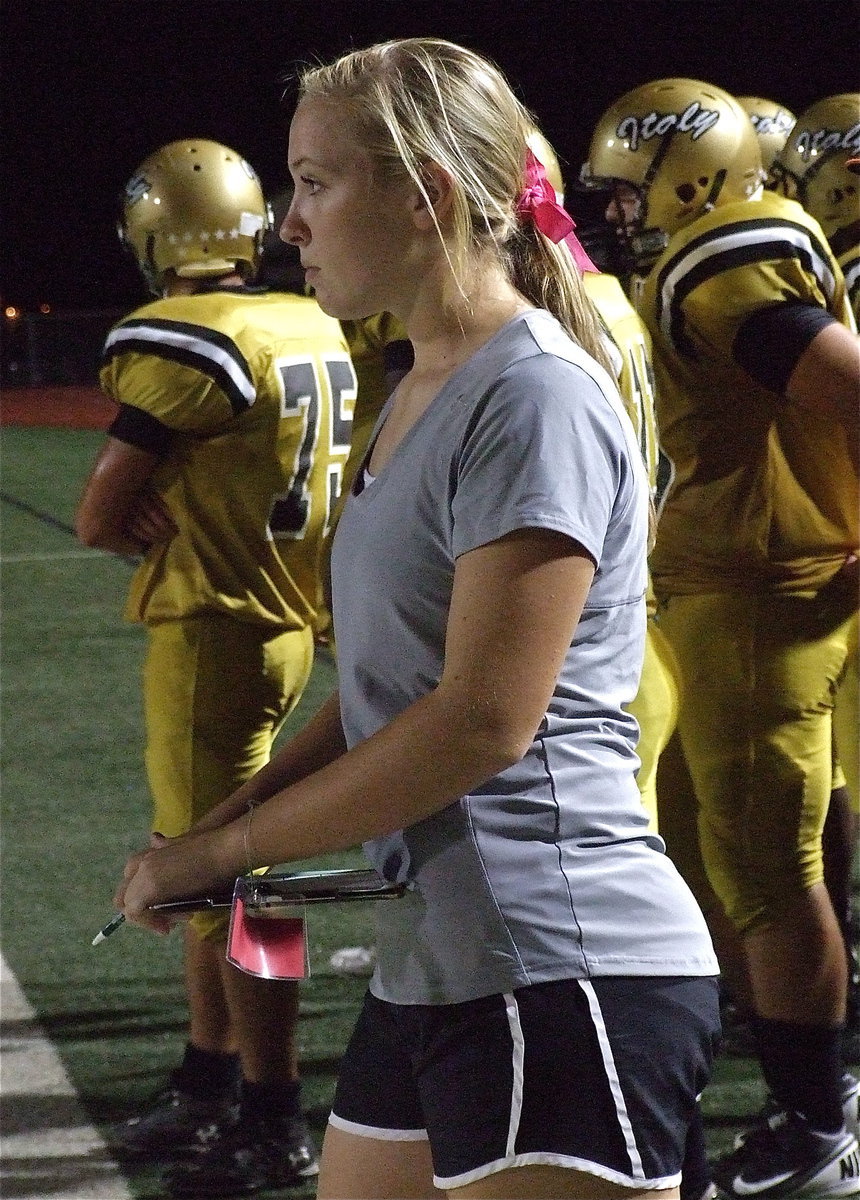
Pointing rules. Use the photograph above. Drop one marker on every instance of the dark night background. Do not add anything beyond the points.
(90, 87)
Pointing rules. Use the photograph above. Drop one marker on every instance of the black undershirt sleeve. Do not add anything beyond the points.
(772, 341)
(398, 356)
(142, 430)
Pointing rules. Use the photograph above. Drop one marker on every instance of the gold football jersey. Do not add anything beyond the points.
(367, 340)
(764, 493)
(849, 264)
(630, 351)
(258, 389)
(370, 342)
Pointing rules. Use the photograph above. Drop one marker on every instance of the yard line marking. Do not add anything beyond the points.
(47, 518)
(49, 556)
(50, 1149)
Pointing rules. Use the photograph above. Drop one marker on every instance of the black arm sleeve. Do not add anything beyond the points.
(772, 341)
(142, 430)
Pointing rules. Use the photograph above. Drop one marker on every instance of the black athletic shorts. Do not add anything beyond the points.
(598, 1075)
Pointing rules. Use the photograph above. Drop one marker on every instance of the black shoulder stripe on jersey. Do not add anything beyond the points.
(187, 358)
(204, 349)
(750, 225)
(757, 240)
(718, 263)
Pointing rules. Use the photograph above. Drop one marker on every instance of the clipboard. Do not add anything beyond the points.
(270, 893)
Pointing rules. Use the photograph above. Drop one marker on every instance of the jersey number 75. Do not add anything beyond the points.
(306, 395)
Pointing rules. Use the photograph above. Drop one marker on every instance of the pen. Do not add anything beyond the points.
(113, 924)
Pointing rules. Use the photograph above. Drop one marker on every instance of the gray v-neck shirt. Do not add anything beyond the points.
(546, 871)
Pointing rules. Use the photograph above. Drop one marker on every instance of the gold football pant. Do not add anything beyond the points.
(656, 710)
(758, 680)
(216, 691)
(846, 721)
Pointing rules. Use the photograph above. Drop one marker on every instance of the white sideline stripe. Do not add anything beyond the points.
(49, 557)
(49, 1149)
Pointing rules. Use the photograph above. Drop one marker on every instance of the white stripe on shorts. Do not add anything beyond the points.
(612, 1079)
(517, 1055)
(544, 1158)
(373, 1131)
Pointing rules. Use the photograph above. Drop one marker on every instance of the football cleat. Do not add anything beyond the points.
(175, 1122)
(254, 1154)
(772, 1110)
(784, 1159)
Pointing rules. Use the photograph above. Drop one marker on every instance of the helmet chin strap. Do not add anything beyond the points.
(657, 160)
(648, 244)
(149, 269)
(715, 189)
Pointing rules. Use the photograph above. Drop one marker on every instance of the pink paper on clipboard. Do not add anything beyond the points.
(269, 947)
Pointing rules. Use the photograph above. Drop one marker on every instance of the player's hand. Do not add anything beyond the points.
(840, 595)
(149, 521)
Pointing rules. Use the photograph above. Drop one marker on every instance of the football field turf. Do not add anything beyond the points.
(74, 804)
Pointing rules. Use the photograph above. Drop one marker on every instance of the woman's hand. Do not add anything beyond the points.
(171, 869)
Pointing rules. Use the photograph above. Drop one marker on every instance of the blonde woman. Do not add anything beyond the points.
(541, 1016)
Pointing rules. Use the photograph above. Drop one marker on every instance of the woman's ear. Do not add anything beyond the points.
(440, 192)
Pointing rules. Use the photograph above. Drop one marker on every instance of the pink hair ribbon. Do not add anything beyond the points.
(538, 203)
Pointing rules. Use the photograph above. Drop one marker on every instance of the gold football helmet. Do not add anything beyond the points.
(544, 153)
(596, 236)
(812, 166)
(687, 146)
(194, 207)
(772, 122)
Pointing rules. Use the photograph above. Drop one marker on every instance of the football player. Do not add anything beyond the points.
(814, 167)
(656, 704)
(772, 123)
(757, 377)
(846, 723)
(629, 344)
(220, 470)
